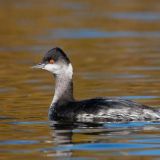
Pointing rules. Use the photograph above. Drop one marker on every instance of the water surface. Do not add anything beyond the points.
(114, 48)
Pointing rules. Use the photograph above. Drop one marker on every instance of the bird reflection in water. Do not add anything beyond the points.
(64, 145)
(62, 134)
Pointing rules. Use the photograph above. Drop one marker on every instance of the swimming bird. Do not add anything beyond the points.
(65, 107)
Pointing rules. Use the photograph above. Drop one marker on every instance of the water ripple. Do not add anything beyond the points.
(92, 33)
(18, 142)
(146, 152)
(141, 16)
(106, 146)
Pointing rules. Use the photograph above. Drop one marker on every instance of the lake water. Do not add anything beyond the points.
(115, 50)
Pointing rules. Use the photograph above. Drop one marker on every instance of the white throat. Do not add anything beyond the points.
(69, 71)
(63, 84)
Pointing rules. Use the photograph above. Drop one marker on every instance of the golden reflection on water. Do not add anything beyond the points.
(112, 65)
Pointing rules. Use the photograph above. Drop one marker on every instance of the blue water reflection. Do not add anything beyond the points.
(140, 16)
(91, 33)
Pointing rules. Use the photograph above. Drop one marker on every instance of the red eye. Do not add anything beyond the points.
(51, 61)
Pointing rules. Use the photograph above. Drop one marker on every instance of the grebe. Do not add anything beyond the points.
(65, 107)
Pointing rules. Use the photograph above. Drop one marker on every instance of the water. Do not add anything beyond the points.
(114, 48)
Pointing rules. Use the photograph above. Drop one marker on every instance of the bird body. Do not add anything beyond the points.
(65, 107)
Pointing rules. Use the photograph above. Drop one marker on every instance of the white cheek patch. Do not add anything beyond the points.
(60, 69)
(53, 68)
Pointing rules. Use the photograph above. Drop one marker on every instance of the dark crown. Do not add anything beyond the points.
(56, 54)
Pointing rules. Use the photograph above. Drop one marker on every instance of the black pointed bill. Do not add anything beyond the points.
(40, 65)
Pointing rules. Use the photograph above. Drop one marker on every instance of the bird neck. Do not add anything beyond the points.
(63, 88)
